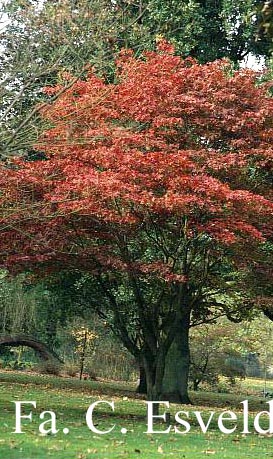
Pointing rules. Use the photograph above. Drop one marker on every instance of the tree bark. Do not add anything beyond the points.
(142, 386)
(196, 385)
(173, 385)
(152, 392)
(176, 374)
(149, 367)
(23, 340)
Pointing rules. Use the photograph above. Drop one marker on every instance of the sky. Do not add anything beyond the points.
(253, 62)
(3, 18)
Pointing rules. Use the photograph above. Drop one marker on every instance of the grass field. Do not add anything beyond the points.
(70, 399)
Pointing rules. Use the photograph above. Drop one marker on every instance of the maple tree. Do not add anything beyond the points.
(156, 187)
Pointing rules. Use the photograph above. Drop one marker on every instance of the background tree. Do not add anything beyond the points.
(41, 40)
(207, 29)
(17, 307)
(265, 20)
(256, 337)
(85, 340)
(216, 351)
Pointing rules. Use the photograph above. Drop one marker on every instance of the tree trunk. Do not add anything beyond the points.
(152, 390)
(196, 385)
(142, 386)
(173, 387)
(23, 340)
(148, 365)
(175, 381)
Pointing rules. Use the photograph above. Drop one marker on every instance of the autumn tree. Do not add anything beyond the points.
(153, 186)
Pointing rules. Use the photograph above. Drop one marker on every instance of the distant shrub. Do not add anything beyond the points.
(71, 369)
(89, 370)
(49, 367)
(15, 365)
(223, 387)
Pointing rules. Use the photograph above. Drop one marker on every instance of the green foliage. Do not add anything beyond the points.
(208, 29)
(33, 308)
(105, 358)
(18, 358)
(15, 365)
(40, 42)
(214, 354)
(265, 20)
(18, 305)
(223, 349)
(113, 362)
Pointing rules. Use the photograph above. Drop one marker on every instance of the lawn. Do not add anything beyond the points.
(70, 399)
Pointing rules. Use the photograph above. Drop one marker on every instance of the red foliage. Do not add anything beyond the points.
(169, 148)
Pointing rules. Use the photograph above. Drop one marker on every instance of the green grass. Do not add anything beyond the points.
(70, 399)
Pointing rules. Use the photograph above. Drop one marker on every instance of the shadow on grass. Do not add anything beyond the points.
(122, 389)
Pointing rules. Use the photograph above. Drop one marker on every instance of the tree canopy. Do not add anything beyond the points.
(155, 185)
